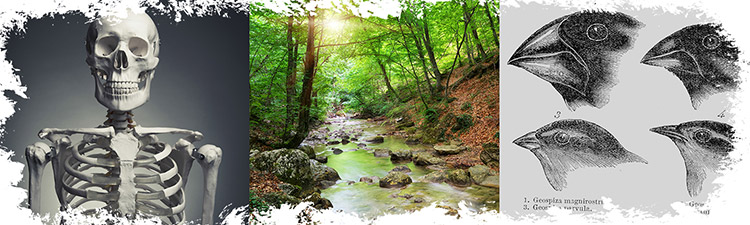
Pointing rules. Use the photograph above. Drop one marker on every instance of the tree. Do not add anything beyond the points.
(307, 86)
(291, 77)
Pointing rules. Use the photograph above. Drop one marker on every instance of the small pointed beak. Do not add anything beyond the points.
(528, 141)
(670, 131)
(668, 54)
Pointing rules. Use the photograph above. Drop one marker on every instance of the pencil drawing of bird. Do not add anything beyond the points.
(703, 145)
(566, 145)
(579, 54)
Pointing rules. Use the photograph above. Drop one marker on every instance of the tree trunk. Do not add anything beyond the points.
(420, 53)
(469, 50)
(492, 24)
(307, 86)
(469, 22)
(315, 98)
(431, 54)
(291, 76)
(458, 54)
(387, 81)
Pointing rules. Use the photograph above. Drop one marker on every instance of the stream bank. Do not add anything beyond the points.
(365, 151)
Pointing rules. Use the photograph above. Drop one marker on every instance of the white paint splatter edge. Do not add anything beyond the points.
(13, 17)
(727, 203)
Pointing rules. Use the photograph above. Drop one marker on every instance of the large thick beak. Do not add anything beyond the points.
(528, 141)
(669, 55)
(546, 54)
(670, 131)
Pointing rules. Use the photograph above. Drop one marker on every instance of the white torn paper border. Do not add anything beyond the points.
(727, 203)
(13, 17)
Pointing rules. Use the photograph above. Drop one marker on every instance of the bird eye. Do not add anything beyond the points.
(597, 32)
(711, 41)
(562, 137)
(702, 136)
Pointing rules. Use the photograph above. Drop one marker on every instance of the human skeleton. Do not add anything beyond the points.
(120, 166)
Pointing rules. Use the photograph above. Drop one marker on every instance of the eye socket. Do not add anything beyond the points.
(711, 41)
(562, 137)
(702, 136)
(106, 45)
(138, 46)
(597, 32)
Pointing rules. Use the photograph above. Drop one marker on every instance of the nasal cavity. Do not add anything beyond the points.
(121, 60)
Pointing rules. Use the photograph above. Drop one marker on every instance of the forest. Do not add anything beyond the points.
(354, 91)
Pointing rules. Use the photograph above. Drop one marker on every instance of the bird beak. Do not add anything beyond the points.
(669, 55)
(547, 55)
(670, 131)
(528, 141)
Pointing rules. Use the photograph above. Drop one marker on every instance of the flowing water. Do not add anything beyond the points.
(371, 200)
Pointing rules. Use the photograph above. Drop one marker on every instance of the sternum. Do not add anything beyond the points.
(125, 145)
(127, 189)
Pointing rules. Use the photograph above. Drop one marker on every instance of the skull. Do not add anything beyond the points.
(122, 54)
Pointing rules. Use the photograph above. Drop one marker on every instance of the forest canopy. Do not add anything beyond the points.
(311, 59)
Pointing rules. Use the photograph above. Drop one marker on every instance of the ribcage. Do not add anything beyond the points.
(95, 177)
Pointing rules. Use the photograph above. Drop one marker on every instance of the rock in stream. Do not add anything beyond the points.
(395, 180)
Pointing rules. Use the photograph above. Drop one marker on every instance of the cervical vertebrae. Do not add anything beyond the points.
(121, 167)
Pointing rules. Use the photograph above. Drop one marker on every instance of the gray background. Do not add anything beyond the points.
(199, 84)
(645, 97)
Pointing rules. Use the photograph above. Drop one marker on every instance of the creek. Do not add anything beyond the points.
(370, 200)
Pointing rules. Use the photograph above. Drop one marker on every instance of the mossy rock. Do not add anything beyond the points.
(323, 173)
(401, 168)
(448, 149)
(394, 180)
(490, 155)
(400, 155)
(368, 180)
(491, 181)
(426, 159)
(289, 165)
(459, 178)
(432, 134)
(478, 173)
(308, 150)
(319, 202)
(438, 176)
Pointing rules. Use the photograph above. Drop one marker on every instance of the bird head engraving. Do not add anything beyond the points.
(703, 58)
(566, 145)
(577, 54)
(703, 145)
